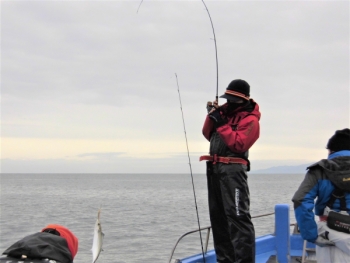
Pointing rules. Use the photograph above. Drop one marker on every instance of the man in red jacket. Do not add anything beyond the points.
(231, 129)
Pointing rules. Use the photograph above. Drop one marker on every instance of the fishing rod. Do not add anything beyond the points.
(216, 53)
(189, 162)
(216, 49)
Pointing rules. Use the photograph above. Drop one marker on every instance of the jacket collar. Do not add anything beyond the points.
(339, 153)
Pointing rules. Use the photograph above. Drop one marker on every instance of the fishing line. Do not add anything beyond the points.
(139, 6)
(216, 53)
(189, 162)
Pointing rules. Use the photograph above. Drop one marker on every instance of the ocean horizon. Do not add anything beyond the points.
(142, 215)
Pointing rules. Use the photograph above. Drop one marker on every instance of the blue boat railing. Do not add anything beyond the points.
(208, 228)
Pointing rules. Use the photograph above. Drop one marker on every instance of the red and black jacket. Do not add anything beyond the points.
(240, 132)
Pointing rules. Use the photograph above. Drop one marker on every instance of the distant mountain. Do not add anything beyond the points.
(286, 169)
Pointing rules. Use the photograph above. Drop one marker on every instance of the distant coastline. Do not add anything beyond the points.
(286, 169)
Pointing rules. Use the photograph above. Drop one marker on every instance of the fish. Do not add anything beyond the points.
(98, 239)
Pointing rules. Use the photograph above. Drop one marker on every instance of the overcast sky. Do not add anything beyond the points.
(89, 86)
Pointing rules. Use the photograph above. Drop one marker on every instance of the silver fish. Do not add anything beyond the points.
(98, 239)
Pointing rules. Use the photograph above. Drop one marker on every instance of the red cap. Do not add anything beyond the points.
(72, 240)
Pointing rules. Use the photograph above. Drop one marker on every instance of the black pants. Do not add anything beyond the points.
(233, 230)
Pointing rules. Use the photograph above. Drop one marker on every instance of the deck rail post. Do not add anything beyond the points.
(282, 231)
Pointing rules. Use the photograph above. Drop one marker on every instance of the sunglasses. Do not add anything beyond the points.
(235, 101)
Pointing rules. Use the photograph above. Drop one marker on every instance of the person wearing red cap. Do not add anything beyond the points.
(327, 182)
(54, 242)
(232, 129)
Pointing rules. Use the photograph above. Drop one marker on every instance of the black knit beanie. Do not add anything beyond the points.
(339, 141)
(237, 89)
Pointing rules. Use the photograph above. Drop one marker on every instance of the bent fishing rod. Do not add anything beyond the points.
(216, 53)
(216, 49)
(189, 162)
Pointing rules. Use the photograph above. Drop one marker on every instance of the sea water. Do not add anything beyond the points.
(142, 215)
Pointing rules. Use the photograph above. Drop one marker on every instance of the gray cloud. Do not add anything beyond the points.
(91, 69)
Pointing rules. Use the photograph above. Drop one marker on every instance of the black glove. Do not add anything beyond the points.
(216, 116)
(210, 106)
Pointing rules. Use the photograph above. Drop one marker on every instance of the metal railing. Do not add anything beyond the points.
(208, 228)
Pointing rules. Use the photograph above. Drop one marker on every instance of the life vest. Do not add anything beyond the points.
(338, 194)
(339, 221)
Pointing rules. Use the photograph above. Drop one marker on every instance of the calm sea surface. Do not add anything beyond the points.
(142, 216)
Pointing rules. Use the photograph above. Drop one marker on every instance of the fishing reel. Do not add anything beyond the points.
(211, 106)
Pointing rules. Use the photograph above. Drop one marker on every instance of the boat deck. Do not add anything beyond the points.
(293, 259)
(273, 259)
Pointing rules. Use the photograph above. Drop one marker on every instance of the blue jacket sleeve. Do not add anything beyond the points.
(304, 203)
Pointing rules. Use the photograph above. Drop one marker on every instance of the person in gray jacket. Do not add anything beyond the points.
(327, 181)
